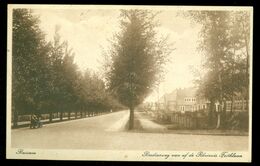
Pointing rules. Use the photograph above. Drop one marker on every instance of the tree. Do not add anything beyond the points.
(29, 65)
(223, 40)
(93, 95)
(241, 48)
(57, 86)
(70, 76)
(45, 78)
(136, 59)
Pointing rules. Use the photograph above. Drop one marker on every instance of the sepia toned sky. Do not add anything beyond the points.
(88, 30)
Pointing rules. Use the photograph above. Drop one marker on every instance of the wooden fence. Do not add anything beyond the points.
(24, 120)
(190, 120)
(200, 119)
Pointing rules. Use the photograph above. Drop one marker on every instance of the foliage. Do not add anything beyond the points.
(30, 63)
(45, 78)
(224, 42)
(135, 62)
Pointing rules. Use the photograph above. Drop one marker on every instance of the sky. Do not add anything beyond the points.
(88, 30)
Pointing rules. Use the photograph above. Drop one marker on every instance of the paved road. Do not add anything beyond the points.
(99, 133)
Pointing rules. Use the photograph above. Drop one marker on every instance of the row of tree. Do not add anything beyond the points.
(45, 78)
(225, 43)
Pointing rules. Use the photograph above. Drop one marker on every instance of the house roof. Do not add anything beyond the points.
(169, 97)
(187, 92)
(178, 94)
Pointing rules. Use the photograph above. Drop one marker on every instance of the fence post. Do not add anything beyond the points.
(185, 118)
(50, 117)
(15, 120)
(188, 122)
(196, 121)
(61, 116)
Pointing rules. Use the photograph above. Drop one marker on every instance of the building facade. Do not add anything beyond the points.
(181, 100)
(186, 100)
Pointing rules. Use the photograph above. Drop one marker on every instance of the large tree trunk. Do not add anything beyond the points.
(131, 119)
(220, 100)
(218, 111)
(218, 121)
(224, 116)
(210, 115)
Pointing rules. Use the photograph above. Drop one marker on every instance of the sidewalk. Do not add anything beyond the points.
(119, 125)
(148, 125)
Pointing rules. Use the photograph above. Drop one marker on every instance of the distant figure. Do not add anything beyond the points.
(39, 123)
(111, 110)
(35, 122)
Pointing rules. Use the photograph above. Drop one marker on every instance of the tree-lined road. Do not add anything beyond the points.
(95, 133)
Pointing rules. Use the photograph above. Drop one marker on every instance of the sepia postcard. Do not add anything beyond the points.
(129, 83)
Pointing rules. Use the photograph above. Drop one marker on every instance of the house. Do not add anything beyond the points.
(182, 100)
(186, 100)
(168, 101)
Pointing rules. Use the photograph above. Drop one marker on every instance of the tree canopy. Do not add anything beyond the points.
(135, 62)
(45, 78)
(224, 42)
